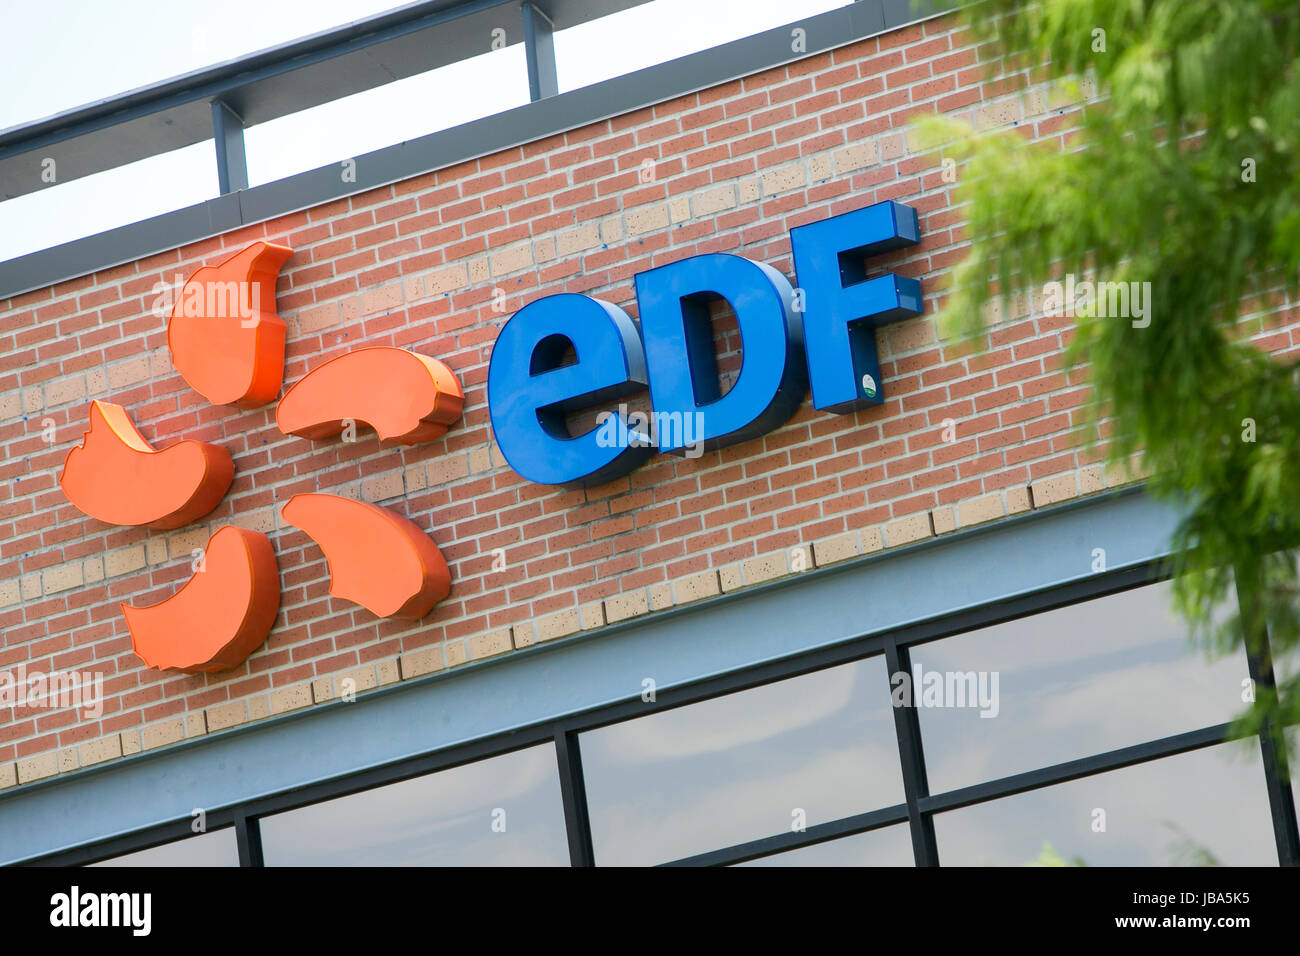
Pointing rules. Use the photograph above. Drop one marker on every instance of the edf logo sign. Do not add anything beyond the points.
(565, 353)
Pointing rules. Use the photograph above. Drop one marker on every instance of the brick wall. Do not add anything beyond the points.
(416, 265)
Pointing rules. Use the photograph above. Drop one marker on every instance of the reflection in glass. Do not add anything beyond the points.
(1073, 682)
(1293, 763)
(1199, 808)
(215, 848)
(503, 811)
(888, 846)
(1285, 666)
(739, 767)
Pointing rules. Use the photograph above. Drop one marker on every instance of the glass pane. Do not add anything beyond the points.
(1195, 809)
(1293, 763)
(1285, 664)
(889, 846)
(505, 811)
(1065, 684)
(1284, 669)
(216, 848)
(739, 767)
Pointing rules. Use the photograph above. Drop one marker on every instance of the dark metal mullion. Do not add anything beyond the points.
(248, 837)
(573, 794)
(539, 50)
(821, 833)
(1281, 802)
(1074, 769)
(1052, 598)
(912, 760)
(384, 775)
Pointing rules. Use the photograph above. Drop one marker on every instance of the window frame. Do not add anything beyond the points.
(917, 810)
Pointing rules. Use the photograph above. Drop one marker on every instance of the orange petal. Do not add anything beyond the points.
(220, 615)
(403, 395)
(376, 558)
(116, 476)
(225, 337)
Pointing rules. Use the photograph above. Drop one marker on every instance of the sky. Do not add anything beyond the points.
(64, 54)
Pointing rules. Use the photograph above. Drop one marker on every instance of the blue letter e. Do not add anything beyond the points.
(842, 307)
(531, 388)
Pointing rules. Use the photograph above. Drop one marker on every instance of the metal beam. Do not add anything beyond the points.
(228, 136)
(539, 45)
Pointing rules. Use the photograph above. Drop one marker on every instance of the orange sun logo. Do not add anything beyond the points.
(227, 343)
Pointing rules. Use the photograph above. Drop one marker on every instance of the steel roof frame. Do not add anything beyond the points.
(224, 114)
(282, 80)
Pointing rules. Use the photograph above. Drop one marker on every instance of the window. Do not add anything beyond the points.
(214, 848)
(504, 811)
(888, 846)
(741, 767)
(1073, 682)
(1202, 808)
